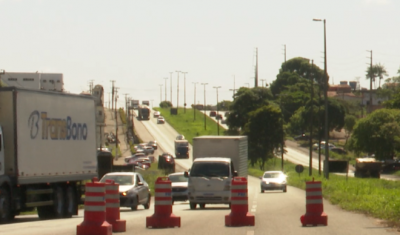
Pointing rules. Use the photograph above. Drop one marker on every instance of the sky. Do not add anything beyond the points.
(138, 43)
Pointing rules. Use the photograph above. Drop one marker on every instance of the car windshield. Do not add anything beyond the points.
(272, 175)
(177, 178)
(119, 179)
(210, 169)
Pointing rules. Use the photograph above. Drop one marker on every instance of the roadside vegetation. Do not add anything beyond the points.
(373, 197)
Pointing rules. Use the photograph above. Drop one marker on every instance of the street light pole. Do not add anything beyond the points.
(177, 92)
(204, 108)
(216, 87)
(170, 79)
(165, 89)
(184, 91)
(326, 128)
(194, 101)
(262, 82)
(161, 92)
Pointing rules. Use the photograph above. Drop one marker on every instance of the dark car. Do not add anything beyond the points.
(338, 150)
(219, 117)
(166, 162)
(213, 113)
(133, 189)
(302, 137)
(226, 114)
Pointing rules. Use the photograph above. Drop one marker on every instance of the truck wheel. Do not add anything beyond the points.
(71, 205)
(5, 206)
(202, 205)
(45, 212)
(59, 202)
(192, 205)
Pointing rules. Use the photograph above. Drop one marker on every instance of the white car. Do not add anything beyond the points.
(273, 180)
(179, 184)
(156, 114)
(315, 146)
(161, 120)
(133, 189)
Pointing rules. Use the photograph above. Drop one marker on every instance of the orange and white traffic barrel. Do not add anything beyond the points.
(163, 217)
(94, 222)
(112, 207)
(315, 214)
(239, 215)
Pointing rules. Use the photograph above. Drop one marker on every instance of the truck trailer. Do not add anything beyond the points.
(144, 113)
(47, 151)
(216, 160)
(367, 167)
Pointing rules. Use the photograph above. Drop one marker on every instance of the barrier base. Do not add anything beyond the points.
(236, 219)
(314, 219)
(118, 225)
(94, 228)
(163, 221)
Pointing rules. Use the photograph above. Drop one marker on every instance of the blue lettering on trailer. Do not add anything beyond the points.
(56, 128)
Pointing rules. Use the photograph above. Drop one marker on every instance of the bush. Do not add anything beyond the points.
(165, 104)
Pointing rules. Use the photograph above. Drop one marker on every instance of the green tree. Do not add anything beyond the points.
(265, 132)
(376, 71)
(378, 133)
(349, 123)
(165, 104)
(246, 100)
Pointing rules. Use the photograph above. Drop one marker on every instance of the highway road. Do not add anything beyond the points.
(275, 212)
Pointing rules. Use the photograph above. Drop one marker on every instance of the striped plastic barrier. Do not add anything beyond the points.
(314, 205)
(112, 207)
(163, 217)
(239, 215)
(94, 222)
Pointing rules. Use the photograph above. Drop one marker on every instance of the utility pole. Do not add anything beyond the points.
(112, 92)
(256, 72)
(234, 90)
(311, 76)
(184, 91)
(177, 92)
(161, 92)
(204, 108)
(165, 89)
(284, 52)
(370, 85)
(262, 82)
(216, 87)
(116, 122)
(170, 79)
(194, 102)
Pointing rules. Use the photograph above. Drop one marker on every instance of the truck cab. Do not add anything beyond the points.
(210, 181)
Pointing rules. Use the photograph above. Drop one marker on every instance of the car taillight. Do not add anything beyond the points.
(123, 194)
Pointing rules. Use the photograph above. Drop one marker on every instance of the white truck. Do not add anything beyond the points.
(47, 150)
(216, 160)
(181, 149)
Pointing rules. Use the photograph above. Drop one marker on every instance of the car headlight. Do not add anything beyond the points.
(124, 194)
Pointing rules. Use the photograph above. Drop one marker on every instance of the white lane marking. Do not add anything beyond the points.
(251, 232)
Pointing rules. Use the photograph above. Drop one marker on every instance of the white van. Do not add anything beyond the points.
(210, 181)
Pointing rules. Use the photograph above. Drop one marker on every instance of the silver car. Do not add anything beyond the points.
(133, 189)
(179, 184)
(273, 180)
